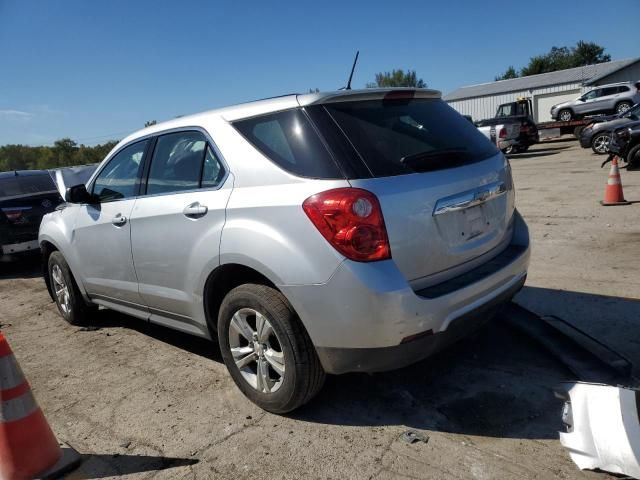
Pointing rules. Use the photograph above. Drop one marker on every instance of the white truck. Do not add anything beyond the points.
(505, 136)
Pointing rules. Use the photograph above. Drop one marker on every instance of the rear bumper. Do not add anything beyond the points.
(503, 144)
(7, 250)
(343, 360)
(364, 317)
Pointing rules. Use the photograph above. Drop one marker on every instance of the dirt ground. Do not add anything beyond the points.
(140, 401)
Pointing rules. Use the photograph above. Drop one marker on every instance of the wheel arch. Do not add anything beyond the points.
(221, 281)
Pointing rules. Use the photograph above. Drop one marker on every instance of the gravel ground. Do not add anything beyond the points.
(142, 401)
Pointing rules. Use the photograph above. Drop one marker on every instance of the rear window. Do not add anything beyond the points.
(291, 142)
(25, 185)
(396, 137)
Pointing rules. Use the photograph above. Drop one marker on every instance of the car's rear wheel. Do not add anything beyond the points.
(565, 115)
(67, 296)
(266, 350)
(600, 143)
(623, 107)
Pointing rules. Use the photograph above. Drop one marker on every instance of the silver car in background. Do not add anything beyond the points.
(351, 231)
(614, 98)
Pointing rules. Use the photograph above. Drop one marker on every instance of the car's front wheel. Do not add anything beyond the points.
(565, 115)
(600, 143)
(623, 107)
(68, 298)
(633, 158)
(266, 349)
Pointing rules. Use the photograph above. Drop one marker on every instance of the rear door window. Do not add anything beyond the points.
(395, 137)
(289, 140)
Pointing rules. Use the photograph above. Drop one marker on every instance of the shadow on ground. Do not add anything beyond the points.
(497, 383)
(613, 320)
(23, 267)
(102, 466)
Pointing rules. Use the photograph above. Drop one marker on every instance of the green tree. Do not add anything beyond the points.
(509, 73)
(560, 58)
(397, 78)
(63, 153)
(589, 53)
(64, 150)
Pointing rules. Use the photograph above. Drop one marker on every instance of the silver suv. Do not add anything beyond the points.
(614, 98)
(352, 231)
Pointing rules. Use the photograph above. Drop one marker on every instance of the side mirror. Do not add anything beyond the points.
(78, 194)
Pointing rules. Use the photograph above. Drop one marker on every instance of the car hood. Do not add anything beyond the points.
(66, 177)
(611, 124)
(563, 104)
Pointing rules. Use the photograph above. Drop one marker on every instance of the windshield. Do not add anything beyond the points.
(395, 137)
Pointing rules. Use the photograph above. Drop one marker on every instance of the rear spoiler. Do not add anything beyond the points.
(368, 94)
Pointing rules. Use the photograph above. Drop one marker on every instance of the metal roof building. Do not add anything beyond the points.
(546, 89)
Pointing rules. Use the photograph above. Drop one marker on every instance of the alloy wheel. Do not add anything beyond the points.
(61, 290)
(601, 143)
(565, 115)
(623, 107)
(256, 350)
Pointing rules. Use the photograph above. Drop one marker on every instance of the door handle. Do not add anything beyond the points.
(195, 210)
(119, 220)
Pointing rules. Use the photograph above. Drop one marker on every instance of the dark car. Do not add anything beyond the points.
(25, 197)
(625, 142)
(597, 134)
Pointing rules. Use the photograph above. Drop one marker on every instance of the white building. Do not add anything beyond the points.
(545, 90)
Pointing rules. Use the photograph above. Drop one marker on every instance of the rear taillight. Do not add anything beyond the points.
(12, 215)
(503, 133)
(351, 220)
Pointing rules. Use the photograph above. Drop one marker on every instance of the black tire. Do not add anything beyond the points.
(75, 311)
(303, 374)
(565, 115)
(633, 158)
(600, 143)
(623, 107)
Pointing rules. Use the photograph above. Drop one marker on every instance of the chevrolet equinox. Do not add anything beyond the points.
(350, 231)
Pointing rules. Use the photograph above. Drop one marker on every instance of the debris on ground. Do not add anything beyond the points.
(411, 437)
(603, 429)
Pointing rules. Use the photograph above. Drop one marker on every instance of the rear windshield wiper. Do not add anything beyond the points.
(435, 159)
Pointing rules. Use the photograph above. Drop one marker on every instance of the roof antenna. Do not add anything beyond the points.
(355, 60)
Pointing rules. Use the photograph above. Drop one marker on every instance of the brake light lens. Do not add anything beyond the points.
(400, 95)
(13, 215)
(503, 133)
(351, 220)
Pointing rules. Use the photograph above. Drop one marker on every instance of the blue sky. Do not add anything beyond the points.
(95, 70)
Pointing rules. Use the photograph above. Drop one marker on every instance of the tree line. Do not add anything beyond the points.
(64, 152)
(559, 58)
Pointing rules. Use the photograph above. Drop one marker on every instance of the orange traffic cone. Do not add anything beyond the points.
(613, 193)
(28, 447)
